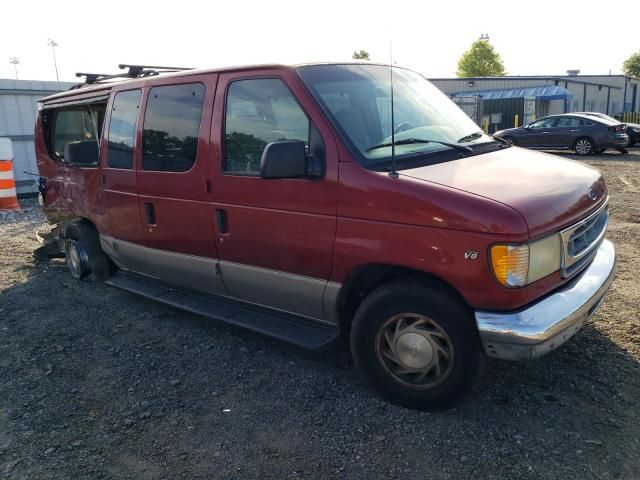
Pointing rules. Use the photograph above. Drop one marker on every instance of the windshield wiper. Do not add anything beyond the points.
(408, 141)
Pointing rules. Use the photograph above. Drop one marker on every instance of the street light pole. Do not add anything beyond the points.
(53, 45)
(15, 62)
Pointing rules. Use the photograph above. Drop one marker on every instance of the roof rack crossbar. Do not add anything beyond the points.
(133, 71)
(122, 66)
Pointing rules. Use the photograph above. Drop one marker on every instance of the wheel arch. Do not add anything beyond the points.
(67, 222)
(366, 278)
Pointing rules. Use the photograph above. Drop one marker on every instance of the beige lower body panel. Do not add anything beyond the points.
(310, 297)
(188, 271)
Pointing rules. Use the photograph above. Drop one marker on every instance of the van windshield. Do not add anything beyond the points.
(357, 98)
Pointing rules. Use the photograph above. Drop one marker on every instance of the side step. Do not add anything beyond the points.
(290, 328)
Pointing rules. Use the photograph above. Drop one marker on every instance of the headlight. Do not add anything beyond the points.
(520, 265)
(637, 130)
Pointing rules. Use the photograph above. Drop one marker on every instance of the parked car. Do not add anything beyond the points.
(582, 133)
(633, 129)
(294, 202)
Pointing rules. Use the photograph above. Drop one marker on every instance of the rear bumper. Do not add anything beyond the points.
(544, 326)
(621, 140)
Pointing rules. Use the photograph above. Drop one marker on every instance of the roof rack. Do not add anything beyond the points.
(133, 71)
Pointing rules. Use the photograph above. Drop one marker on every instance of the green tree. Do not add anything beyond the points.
(361, 55)
(631, 66)
(481, 60)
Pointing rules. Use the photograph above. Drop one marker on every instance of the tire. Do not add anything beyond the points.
(443, 356)
(84, 255)
(584, 146)
(509, 140)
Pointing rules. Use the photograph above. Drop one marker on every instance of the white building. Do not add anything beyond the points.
(18, 107)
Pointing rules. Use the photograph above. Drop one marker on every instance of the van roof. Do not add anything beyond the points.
(93, 89)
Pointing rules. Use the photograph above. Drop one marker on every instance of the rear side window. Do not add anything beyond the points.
(75, 124)
(122, 129)
(569, 122)
(171, 126)
(259, 111)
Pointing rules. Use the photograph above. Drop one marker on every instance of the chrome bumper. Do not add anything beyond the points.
(547, 324)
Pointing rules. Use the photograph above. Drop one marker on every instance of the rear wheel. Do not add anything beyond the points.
(85, 258)
(584, 146)
(416, 345)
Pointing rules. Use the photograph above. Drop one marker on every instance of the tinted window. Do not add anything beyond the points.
(544, 123)
(568, 122)
(122, 129)
(74, 125)
(171, 126)
(258, 112)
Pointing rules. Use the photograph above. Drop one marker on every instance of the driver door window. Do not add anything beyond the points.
(544, 123)
(259, 111)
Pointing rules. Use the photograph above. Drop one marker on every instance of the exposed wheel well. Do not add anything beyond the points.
(366, 278)
(64, 224)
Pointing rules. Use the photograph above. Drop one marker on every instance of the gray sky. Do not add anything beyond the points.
(542, 37)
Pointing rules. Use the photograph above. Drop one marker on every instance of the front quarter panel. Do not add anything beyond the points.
(429, 228)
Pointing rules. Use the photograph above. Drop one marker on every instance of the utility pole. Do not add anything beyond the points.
(52, 43)
(15, 62)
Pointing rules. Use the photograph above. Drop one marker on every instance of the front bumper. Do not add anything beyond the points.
(544, 326)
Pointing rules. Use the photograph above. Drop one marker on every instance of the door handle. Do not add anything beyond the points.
(150, 213)
(546, 133)
(221, 221)
(574, 130)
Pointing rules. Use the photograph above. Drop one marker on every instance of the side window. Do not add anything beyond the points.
(544, 123)
(122, 129)
(569, 122)
(171, 126)
(258, 112)
(586, 123)
(75, 124)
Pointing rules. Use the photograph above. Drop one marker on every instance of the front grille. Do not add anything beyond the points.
(581, 241)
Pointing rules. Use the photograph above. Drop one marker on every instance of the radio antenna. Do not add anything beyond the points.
(392, 173)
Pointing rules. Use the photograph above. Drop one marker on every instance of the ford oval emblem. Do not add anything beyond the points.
(592, 194)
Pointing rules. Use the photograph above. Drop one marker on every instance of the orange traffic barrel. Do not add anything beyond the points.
(8, 198)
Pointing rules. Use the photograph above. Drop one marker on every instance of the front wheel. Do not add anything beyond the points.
(584, 146)
(416, 345)
(509, 140)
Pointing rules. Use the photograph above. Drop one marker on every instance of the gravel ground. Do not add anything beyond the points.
(98, 383)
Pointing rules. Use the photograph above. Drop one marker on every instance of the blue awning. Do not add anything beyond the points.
(546, 92)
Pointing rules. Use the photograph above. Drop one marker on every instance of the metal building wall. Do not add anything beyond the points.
(600, 93)
(18, 107)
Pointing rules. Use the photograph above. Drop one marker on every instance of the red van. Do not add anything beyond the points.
(312, 201)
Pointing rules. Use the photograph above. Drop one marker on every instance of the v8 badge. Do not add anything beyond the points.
(471, 255)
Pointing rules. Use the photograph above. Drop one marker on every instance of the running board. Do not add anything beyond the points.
(294, 329)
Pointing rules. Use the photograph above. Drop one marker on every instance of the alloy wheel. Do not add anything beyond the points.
(584, 147)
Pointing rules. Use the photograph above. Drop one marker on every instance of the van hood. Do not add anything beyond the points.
(548, 191)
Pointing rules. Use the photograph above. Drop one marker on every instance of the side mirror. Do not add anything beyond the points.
(286, 159)
(82, 154)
